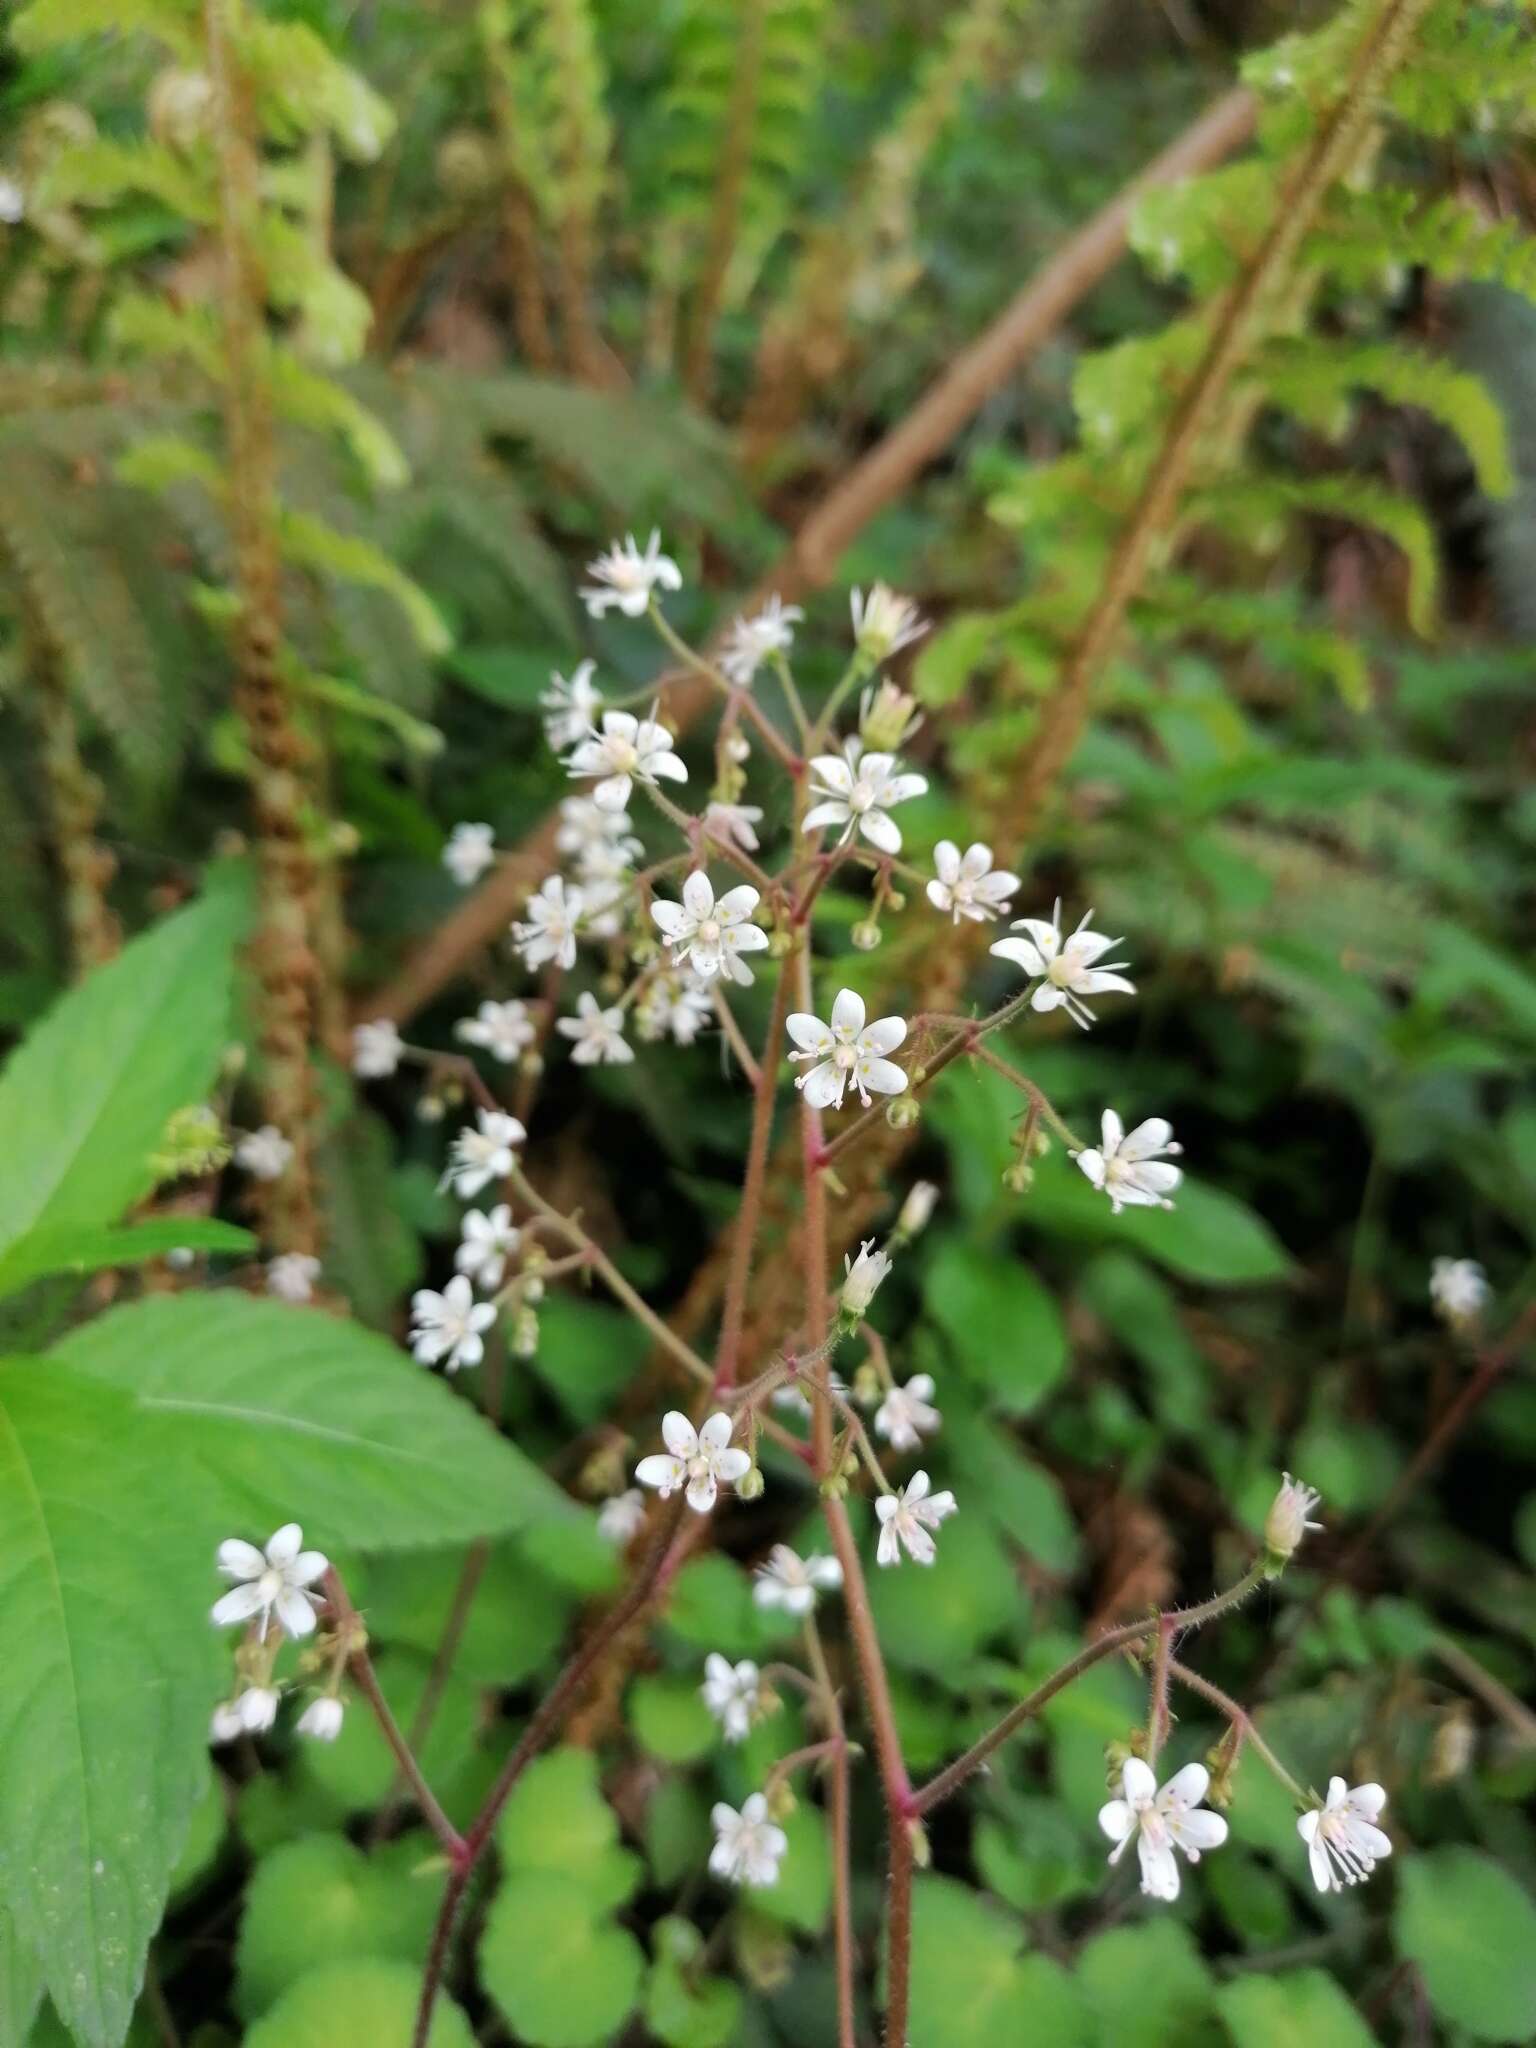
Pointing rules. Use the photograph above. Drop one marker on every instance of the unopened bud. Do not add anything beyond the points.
(1287, 1522)
(863, 1277)
(750, 1485)
(1018, 1178)
(1453, 1748)
(431, 1109)
(902, 1112)
(738, 748)
(781, 1799)
(533, 1289)
(917, 1836)
(866, 935)
(917, 1208)
(888, 717)
(525, 1333)
(866, 1385)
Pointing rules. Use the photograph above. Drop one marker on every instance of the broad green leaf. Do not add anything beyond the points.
(670, 1719)
(516, 1617)
(21, 1982)
(324, 1897)
(1471, 1929)
(1004, 1327)
(373, 1256)
(1036, 1856)
(1298, 2009)
(85, 1100)
(1208, 1235)
(971, 1984)
(563, 1976)
(76, 1248)
(933, 1618)
(558, 1820)
(1142, 1310)
(356, 1771)
(802, 1898)
(205, 1834)
(1147, 1987)
(109, 1671)
(291, 1406)
(1020, 1497)
(363, 2000)
(683, 2008)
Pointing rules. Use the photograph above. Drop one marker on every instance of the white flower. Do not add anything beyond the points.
(486, 1244)
(291, 1276)
(1131, 1166)
(504, 1030)
(265, 1154)
(792, 1582)
(734, 824)
(732, 1693)
(13, 201)
(270, 1581)
(626, 750)
(1459, 1289)
(858, 791)
(1161, 1821)
(907, 1415)
(916, 1209)
(968, 885)
(571, 704)
(846, 1050)
(623, 578)
(471, 849)
(751, 640)
(862, 1279)
(377, 1049)
(1344, 1844)
(621, 1517)
(702, 1459)
(1067, 965)
(476, 1158)
(321, 1720)
(257, 1707)
(675, 1006)
(603, 842)
(710, 936)
(748, 1846)
(905, 1519)
(884, 622)
(1286, 1523)
(549, 930)
(448, 1326)
(226, 1724)
(597, 1035)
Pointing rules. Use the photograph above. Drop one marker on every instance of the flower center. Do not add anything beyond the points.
(861, 797)
(846, 1057)
(623, 755)
(1116, 1168)
(709, 931)
(270, 1583)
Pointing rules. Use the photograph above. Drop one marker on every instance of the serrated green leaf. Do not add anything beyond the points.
(288, 1404)
(558, 1819)
(563, 1978)
(1298, 2009)
(21, 1982)
(84, 1101)
(971, 1983)
(365, 1999)
(75, 1248)
(322, 1896)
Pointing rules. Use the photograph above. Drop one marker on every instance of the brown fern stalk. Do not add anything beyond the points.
(73, 799)
(282, 955)
(730, 189)
(583, 146)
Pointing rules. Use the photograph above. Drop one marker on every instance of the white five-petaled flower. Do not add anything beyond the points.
(623, 751)
(471, 849)
(749, 1847)
(703, 1460)
(487, 1243)
(732, 1693)
(1344, 1843)
(790, 1582)
(449, 1326)
(1131, 1167)
(906, 1518)
(884, 622)
(571, 704)
(907, 1414)
(709, 934)
(675, 1006)
(321, 1720)
(968, 885)
(1066, 965)
(504, 1030)
(1459, 1289)
(1287, 1521)
(291, 1276)
(478, 1157)
(265, 1154)
(596, 1035)
(857, 792)
(603, 842)
(548, 931)
(733, 824)
(846, 1050)
(273, 1581)
(1161, 1820)
(377, 1049)
(751, 640)
(623, 578)
(621, 1516)
(861, 1279)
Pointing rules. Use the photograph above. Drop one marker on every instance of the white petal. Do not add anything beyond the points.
(716, 1432)
(746, 938)
(832, 772)
(309, 1565)
(808, 1032)
(698, 896)
(1111, 1130)
(848, 1014)
(1117, 1821)
(831, 813)
(285, 1543)
(1147, 1138)
(1188, 1786)
(1200, 1829)
(679, 1434)
(1159, 1868)
(702, 1493)
(884, 1035)
(239, 1560)
(295, 1613)
(1367, 1799)
(881, 830)
(823, 1086)
(732, 1465)
(1092, 1163)
(672, 919)
(1137, 1781)
(239, 1604)
(664, 1473)
(887, 1550)
(947, 863)
(882, 1077)
(1022, 953)
(736, 904)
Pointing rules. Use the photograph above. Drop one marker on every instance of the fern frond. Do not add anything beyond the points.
(144, 325)
(1179, 607)
(159, 461)
(306, 399)
(302, 88)
(312, 543)
(102, 171)
(1366, 233)
(49, 24)
(302, 279)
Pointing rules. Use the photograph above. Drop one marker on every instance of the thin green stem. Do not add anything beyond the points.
(744, 1236)
(701, 665)
(1242, 1723)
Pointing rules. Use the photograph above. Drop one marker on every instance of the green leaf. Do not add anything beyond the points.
(355, 1772)
(970, 1983)
(1208, 1235)
(21, 1982)
(1004, 1327)
(290, 1404)
(683, 2008)
(110, 1669)
(933, 1619)
(361, 2000)
(1298, 2009)
(1471, 1929)
(1147, 1986)
(562, 1977)
(515, 1620)
(1018, 1496)
(558, 1820)
(73, 1248)
(670, 1719)
(86, 1098)
(802, 1898)
(324, 1897)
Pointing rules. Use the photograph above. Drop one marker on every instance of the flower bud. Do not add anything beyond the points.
(1453, 1747)
(750, 1485)
(781, 1799)
(321, 1719)
(738, 748)
(888, 717)
(902, 1112)
(916, 1209)
(431, 1109)
(257, 1707)
(1018, 1178)
(866, 1385)
(533, 1289)
(227, 1724)
(525, 1333)
(917, 1836)
(863, 1277)
(866, 935)
(1286, 1523)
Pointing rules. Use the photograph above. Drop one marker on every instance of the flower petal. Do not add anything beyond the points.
(716, 1432)
(808, 1032)
(698, 896)
(1021, 953)
(1117, 1821)
(1186, 1787)
(664, 1473)
(679, 1434)
(1137, 1781)
(823, 1086)
(295, 1612)
(881, 830)
(702, 1493)
(848, 1014)
(884, 1035)
(239, 1560)
(239, 1604)
(285, 1544)
(732, 1465)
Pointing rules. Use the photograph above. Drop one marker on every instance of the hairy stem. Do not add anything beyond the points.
(744, 1238)
(1242, 1722)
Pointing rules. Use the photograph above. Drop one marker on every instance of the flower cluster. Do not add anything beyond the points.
(274, 1584)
